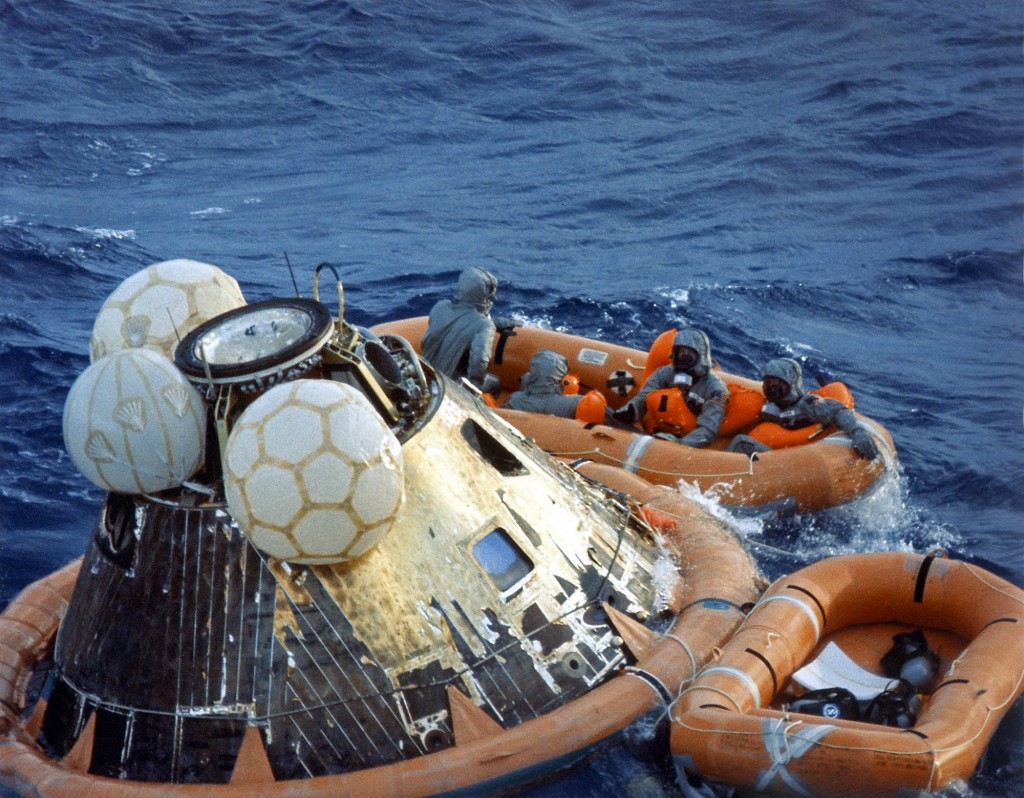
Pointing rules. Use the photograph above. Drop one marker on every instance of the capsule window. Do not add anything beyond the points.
(504, 562)
(115, 536)
(488, 447)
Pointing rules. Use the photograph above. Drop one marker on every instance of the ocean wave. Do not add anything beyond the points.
(978, 269)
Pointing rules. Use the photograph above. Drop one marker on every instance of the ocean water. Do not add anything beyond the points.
(840, 182)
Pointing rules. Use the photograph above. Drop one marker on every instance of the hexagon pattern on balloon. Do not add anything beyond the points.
(159, 305)
(312, 474)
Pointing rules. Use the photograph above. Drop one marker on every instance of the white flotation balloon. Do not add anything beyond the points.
(160, 304)
(312, 473)
(134, 424)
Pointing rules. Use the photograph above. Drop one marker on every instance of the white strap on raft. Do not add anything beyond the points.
(686, 648)
(636, 451)
(652, 681)
(783, 748)
(807, 610)
(748, 682)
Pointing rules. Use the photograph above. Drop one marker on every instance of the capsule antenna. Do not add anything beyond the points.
(291, 271)
(173, 325)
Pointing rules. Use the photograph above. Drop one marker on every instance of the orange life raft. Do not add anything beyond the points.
(732, 725)
(822, 473)
(717, 578)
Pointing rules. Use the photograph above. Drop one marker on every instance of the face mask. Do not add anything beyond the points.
(684, 358)
(775, 389)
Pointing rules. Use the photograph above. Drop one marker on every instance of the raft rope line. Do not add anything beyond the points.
(689, 653)
(663, 692)
(932, 750)
(657, 685)
(783, 747)
(637, 448)
(629, 464)
(745, 539)
(821, 744)
(977, 574)
(804, 608)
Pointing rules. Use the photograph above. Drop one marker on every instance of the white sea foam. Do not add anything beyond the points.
(206, 212)
(103, 232)
(744, 526)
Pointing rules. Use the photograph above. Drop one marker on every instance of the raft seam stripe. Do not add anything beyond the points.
(985, 578)
(764, 661)
(744, 678)
(949, 682)
(731, 698)
(686, 648)
(652, 681)
(922, 577)
(999, 620)
(812, 597)
(802, 605)
(499, 351)
(636, 450)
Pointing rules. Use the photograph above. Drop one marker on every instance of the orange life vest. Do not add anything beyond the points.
(667, 411)
(591, 407)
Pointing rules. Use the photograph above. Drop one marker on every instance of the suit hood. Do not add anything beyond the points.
(789, 370)
(698, 341)
(476, 287)
(547, 370)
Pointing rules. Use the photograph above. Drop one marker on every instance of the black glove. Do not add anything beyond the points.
(625, 414)
(865, 444)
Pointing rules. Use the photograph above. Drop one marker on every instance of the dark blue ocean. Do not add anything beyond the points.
(836, 181)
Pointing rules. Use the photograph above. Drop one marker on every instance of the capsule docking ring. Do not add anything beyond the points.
(257, 345)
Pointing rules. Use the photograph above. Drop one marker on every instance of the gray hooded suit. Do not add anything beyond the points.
(541, 387)
(707, 397)
(799, 409)
(460, 334)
